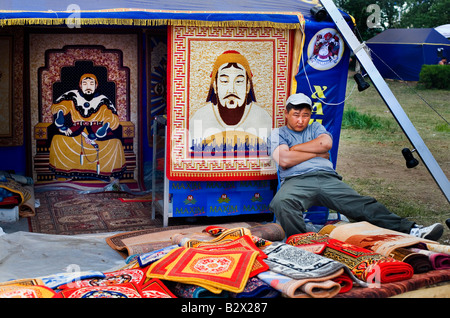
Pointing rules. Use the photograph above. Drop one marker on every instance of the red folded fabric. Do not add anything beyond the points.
(365, 264)
(345, 281)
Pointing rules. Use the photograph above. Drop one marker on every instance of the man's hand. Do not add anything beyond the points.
(321, 144)
(325, 155)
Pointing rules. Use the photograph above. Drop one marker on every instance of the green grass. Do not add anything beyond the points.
(352, 119)
(442, 127)
(370, 131)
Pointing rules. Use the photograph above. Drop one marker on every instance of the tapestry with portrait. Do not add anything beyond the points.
(85, 120)
(227, 90)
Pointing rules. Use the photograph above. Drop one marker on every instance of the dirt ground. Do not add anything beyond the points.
(379, 170)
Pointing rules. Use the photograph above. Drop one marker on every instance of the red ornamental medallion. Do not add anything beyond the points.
(213, 265)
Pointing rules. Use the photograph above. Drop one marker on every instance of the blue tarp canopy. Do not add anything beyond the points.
(281, 13)
(400, 53)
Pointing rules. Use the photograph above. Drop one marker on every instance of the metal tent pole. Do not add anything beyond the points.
(388, 97)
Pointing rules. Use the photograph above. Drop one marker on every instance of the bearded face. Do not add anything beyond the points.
(88, 86)
(232, 88)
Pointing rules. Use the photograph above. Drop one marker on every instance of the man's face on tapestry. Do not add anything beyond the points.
(232, 86)
(88, 86)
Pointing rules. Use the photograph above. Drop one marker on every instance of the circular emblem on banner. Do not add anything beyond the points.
(325, 49)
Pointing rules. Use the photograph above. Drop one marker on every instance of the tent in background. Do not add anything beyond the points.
(444, 30)
(400, 53)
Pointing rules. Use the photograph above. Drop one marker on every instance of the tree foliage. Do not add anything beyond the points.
(425, 14)
(374, 16)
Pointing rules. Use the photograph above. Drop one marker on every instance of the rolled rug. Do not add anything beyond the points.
(420, 262)
(437, 260)
(323, 287)
(365, 264)
(366, 235)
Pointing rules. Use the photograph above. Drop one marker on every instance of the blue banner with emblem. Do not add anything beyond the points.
(322, 76)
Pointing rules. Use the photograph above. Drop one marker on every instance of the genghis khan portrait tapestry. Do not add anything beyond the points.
(87, 116)
(228, 89)
(87, 141)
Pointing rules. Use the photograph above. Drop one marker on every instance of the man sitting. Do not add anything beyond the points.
(301, 151)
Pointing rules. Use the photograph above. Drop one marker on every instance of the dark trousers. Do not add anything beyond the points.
(299, 193)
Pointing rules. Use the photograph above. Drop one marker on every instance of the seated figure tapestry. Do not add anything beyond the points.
(228, 87)
(85, 134)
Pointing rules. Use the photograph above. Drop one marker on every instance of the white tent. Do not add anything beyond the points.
(444, 30)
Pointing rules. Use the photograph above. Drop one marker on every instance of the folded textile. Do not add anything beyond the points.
(322, 287)
(228, 235)
(345, 281)
(243, 243)
(155, 288)
(24, 282)
(372, 237)
(22, 196)
(296, 263)
(438, 248)
(215, 270)
(262, 234)
(419, 282)
(437, 260)
(143, 241)
(420, 263)
(128, 290)
(256, 288)
(151, 257)
(59, 279)
(136, 276)
(194, 291)
(23, 291)
(363, 263)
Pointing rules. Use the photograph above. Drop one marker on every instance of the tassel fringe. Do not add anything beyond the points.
(150, 22)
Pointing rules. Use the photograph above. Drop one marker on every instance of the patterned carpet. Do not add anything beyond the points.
(67, 212)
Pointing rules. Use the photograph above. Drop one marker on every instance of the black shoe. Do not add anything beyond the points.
(432, 232)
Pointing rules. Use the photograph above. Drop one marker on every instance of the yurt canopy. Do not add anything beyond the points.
(400, 53)
(282, 14)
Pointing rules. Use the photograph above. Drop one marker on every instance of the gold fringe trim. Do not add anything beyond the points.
(150, 22)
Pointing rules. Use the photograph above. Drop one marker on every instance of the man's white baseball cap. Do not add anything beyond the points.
(299, 98)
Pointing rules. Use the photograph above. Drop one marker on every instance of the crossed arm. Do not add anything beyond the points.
(288, 157)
